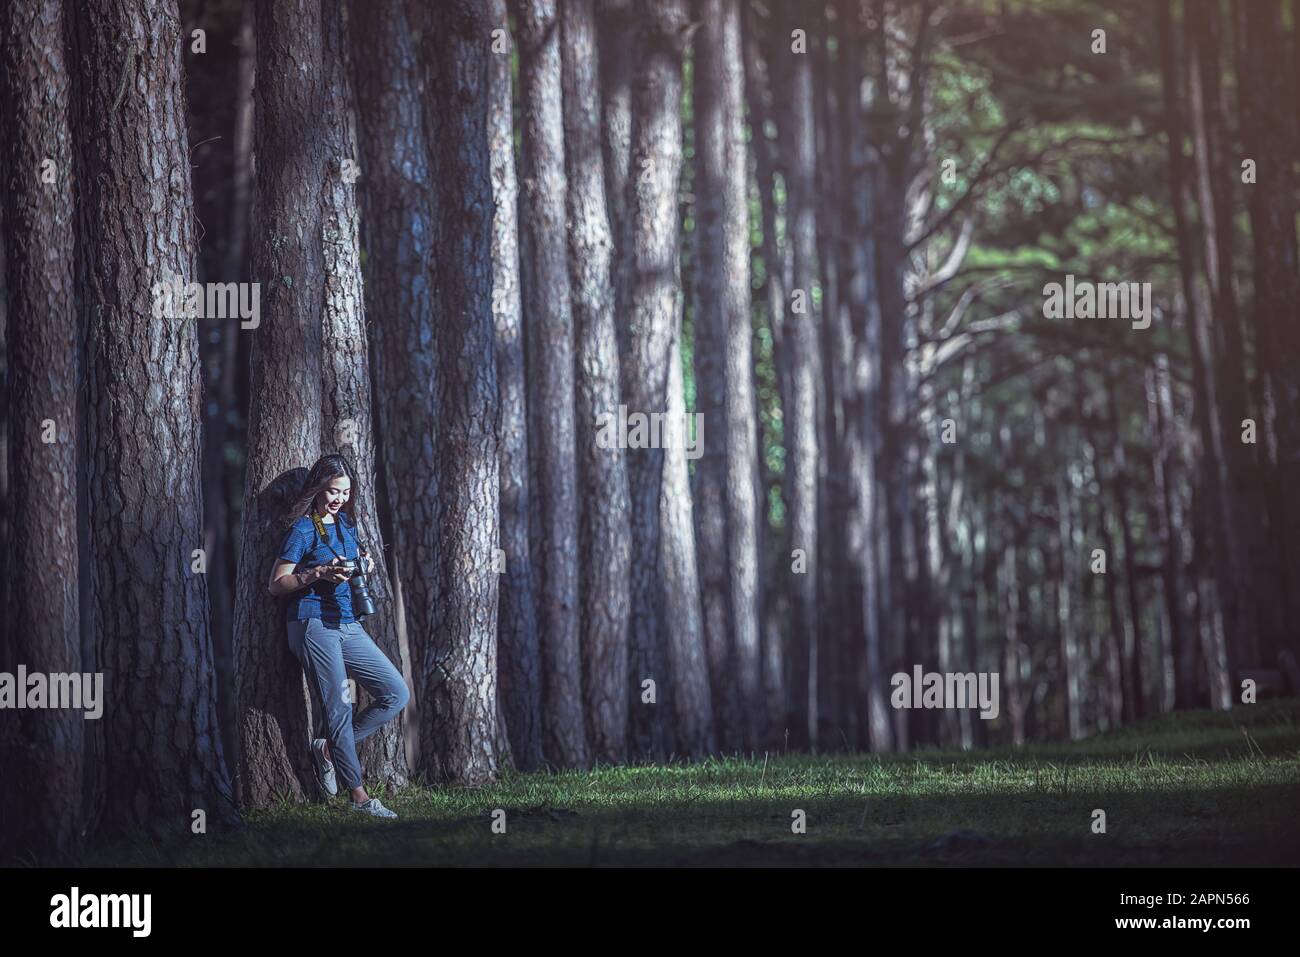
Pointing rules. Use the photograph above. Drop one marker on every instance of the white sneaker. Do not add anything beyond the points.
(324, 768)
(372, 807)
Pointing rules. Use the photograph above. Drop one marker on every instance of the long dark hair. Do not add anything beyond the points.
(326, 470)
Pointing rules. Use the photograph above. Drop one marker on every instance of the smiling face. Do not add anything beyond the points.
(334, 496)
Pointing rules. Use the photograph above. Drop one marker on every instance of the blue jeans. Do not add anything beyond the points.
(329, 652)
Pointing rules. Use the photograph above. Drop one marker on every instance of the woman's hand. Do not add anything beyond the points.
(331, 572)
(286, 581)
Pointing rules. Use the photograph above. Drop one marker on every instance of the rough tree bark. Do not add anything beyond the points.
(792, 73)
(649, 337)
(347, 425)
(727, 472)
(616, 44)
(43, 621)
(604, 534)
(458, 677)
(399, 223)
(548, 323)
(143, 425)
(519, 655)
(688, 662)
(286, 399)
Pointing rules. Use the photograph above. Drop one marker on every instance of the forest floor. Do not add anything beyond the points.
(1191, 788)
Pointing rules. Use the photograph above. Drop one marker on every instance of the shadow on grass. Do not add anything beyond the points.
(1189, 789)
(1207, 827)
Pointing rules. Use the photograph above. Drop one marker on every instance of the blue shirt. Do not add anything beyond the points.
(329, 601)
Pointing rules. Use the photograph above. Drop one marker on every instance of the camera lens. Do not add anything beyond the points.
(363, 603)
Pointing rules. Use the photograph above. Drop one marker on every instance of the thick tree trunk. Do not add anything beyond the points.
(648, 340)
(458, 677)
(400, 222)
(801, 325)
(347, 423)
(617, 49)
(709, 485)
(688, 664)
(519, 656)
(285, 404)
(41, 750)
(146, 521)
(604, 529)
(548, 323)
(894, 564)
(727, 472)
(861, 434)
(222, 483)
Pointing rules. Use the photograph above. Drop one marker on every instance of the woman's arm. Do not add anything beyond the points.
(285, 581)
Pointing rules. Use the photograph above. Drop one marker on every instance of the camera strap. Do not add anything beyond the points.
(320, 530)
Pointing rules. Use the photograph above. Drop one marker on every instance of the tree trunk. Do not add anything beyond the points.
(285, 405)
(548, 321)
(894, 564)
(1118, 675)
(688, 664)
(1133, 650)
(838, 602)
(857, 254)
(727, 471)
(151, 609)
(347, 423)
(221, 481)
(40, 750)
(771, 717)
(519, 655)
(1068, 559)
(1170, 530)
(604, 529)
(1212, 488)
(649, 338)
(801, 339)
(458, 679)
(617, 49)
(400, 221)
(709, 485)
(1262, 86)
(1011, 609)
(1237, 530)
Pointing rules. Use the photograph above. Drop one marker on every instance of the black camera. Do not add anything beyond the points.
(363, 603)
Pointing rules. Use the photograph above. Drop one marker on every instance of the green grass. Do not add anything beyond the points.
(1194, 788)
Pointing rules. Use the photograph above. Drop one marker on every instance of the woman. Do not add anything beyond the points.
(324, 633)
